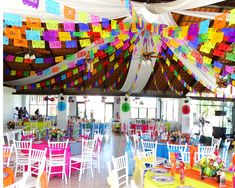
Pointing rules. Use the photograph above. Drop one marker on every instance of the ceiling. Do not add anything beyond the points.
(156, 85)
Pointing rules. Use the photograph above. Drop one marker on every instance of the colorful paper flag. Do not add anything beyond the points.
(52, 7)
(64, 36)
(69, 13)
(38, 44)
(12, 19)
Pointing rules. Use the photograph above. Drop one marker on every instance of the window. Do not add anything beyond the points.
(170, 109)
(143, 107)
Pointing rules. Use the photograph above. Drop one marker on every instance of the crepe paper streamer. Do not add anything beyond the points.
(83, 17)
(13, 33)
(229, 69)
(64, 36)
(5, 40)
(12, 19)
(85, 42)
(32, 35)
(50, 35)
(52, 24)
(19, 59)
(69, 13)
(59, 59)
(218, 53)
(31, 3)
(61, 106)
(232, 17)
(38, 44)
(33, 23)
(95, 19)
(230, 56)
(220, 21)
(71, 44)
(55, 44)
(52, 7)
(69, 26)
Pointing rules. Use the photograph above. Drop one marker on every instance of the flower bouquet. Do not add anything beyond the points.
(211, 166)
(57, 133)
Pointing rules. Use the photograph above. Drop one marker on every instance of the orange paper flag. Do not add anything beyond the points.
(13, 33)
(69, 13)
(21, 43)
(220, 21)
(33, 23)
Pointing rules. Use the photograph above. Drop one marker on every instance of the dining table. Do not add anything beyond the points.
(192, 179)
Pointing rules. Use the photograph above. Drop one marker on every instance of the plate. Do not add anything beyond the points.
(163, 179)
(5, 175)
(159, 171)
(168, 165)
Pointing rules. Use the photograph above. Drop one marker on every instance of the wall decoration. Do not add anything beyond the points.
(61, 106)
(125, 107)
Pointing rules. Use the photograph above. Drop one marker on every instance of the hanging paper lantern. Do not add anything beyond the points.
(126, 107)
(61, 106)
(186, 109)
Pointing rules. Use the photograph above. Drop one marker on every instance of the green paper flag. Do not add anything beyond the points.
(19, 59)
(230, 56)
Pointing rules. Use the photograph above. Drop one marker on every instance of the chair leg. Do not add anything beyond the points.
(81, 170)
(49, 174)
(65, 176)
(70, 166)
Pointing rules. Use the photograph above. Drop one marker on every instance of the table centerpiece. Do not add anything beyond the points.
(211, 166)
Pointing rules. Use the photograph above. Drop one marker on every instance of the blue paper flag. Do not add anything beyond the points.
(115, 32)
(5, 40)
(46, 71)
(39, 60)
(105, 23)
(85, 77)
(80, 62)
(111, 71)
(63, 77)
(169, 52)
(12, 19)
(96, 83)
(83, 27)
(32, 35)
(204, 26)
(103, 47)
(194, 43)
(233, 76)
(52, 7)
(218, 64)
(118, 52)
(71, 44)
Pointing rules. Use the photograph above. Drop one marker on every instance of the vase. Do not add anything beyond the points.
(208, 172)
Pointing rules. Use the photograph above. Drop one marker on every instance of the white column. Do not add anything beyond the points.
(62, 112)
(72, 105)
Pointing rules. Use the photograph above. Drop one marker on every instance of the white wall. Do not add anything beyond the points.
(9, 103)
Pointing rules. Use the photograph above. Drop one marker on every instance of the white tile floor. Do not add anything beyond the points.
(113, 144)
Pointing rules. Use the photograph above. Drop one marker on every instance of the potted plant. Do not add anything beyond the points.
(211, 166)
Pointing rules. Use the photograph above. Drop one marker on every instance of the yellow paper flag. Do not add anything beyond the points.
(217, 37)
(64, 67)
(175, 57)
(52, 81)
(111, 58)
(207, 60)
(85, 42)
(232, 17)
(59, 59)
(205, 49)
(83, 17)
(184, 32)
(96, 28)
(115, 66)
(52, 24)
(168, 62)
(64, 36)
(13, 72)
(113, 24)
(38, 43)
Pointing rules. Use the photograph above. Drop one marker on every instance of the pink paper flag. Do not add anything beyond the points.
(81, 54)
(95, 19)
(229, 69)
(55, 44)
(72, 65)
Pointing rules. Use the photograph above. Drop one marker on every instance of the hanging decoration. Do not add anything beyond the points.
(126, 107)
(186, 107)
(71, 100)
(31, 3)
(61, 106)
(46, 98)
